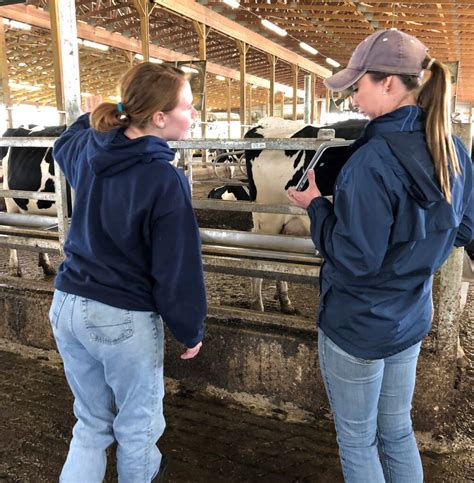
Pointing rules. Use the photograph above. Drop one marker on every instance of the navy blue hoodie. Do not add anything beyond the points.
(389, 230)
(134, 241)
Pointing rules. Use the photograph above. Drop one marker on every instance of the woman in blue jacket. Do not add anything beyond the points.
(401, 202)
(133, 261)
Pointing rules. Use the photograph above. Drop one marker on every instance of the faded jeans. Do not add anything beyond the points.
(113, 361)
(371, 403)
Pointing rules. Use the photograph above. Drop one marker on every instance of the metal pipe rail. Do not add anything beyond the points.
(237, 253)
(249, 206)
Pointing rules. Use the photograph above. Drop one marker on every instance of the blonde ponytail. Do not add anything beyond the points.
(435, 99)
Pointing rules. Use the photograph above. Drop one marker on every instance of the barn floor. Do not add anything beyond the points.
(207, 440)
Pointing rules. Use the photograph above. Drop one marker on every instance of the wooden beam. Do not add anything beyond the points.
(4, 75)
(194, 11)
(272, 60)
(243, 49)
(144, 9)
(39, 18)
(294, 69)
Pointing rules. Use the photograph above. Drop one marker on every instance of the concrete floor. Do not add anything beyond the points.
(206, 440)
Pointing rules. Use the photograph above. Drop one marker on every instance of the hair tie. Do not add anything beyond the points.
(120, 107)
(430, 63)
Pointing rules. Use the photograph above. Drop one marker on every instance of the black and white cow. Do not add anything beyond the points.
(30, 169)
(230, 193)
(272, 172)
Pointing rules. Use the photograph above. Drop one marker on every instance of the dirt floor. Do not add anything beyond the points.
(209, 441)
(206, 440)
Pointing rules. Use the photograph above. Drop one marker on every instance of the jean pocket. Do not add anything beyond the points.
(106, 324)
(56, 306)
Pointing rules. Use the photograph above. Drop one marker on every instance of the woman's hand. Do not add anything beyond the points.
(192, 352)
(304, 198)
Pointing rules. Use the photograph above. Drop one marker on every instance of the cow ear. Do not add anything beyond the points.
(159, 119)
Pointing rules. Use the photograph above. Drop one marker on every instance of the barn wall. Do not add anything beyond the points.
(277, 364)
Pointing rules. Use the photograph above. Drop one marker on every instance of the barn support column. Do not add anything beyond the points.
(65, 59)
(144, 8)
(4, 76)
(203, 31)
(307, 99)
(282, 102)
(272, 60)
(229, 104)
(249, 104)
(313, 98)
(243, 49)
(295, 69)
(68, 92)
(328, 101)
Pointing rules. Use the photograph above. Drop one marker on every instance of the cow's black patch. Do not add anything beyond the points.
(49, 188)
(24, 164)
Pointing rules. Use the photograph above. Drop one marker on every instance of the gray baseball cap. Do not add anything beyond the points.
(390, 51)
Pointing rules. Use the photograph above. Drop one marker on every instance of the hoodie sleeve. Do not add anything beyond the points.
(353, 234)
(179, 290)
(66, 147)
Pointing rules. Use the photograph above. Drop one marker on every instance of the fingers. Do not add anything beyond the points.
(311, 178)
(192, 352)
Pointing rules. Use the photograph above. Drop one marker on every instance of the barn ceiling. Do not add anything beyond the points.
(332, 27)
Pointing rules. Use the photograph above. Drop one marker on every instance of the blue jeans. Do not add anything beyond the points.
(371, 403)
(113, 360)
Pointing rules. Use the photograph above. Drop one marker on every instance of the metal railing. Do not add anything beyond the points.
(224, 251)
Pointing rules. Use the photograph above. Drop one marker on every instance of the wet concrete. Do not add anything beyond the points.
(206, 439)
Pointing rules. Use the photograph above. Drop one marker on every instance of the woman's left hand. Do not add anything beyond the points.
(304, 198)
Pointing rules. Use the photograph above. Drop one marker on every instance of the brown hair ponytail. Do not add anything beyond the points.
(106, 116)
(435, 98)
(144, 89)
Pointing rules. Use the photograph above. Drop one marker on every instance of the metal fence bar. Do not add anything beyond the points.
(19, 219)
(245, 239)
(30, 195)
(249, 206)
(255, 143)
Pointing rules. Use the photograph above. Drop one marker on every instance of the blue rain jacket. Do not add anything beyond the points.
(389, 229)
(134, 242)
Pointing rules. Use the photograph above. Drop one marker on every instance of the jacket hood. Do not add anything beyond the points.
(404, 132)
(111, 152)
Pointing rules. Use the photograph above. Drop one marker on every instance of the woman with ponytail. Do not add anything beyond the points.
(133, 262)
(401, 203)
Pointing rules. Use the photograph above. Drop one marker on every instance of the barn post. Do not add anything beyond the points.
(65, 59)
(68, 93)
(272, 60)
(203, 31)
(4, 75)
(313, 98)
(295, 69)
(282, 101)
(243, 49)
(307, 99)
(144, 8)
(229, 105)
(249, 104)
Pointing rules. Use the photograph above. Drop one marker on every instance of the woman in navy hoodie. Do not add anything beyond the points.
(401, 202)
(133, 261)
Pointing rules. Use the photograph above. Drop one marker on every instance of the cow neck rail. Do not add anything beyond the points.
(255, 143)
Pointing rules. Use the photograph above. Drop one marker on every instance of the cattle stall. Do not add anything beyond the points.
(267, 355)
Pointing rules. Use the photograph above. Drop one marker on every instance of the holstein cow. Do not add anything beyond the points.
(272, 172)
(230, 193)
(30, 169)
